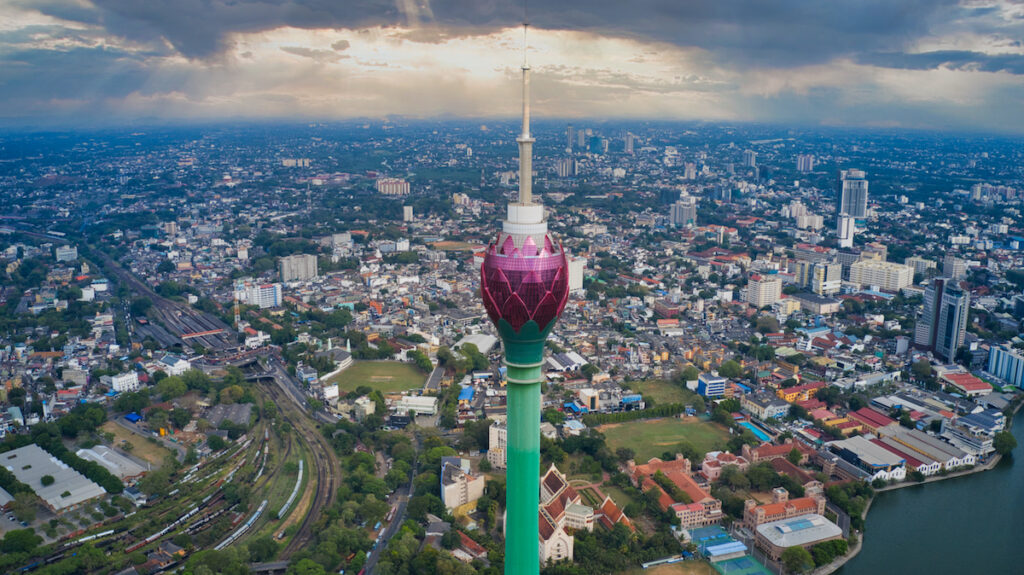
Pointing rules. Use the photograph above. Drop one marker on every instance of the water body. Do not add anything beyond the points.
(971, 524)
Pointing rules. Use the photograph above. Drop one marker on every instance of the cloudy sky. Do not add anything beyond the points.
(928, 64)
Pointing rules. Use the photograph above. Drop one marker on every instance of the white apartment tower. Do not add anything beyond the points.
(300, 267)
(763, 290)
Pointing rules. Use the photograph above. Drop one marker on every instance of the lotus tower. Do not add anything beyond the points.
(524, 285)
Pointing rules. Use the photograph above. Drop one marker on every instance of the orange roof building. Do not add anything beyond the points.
(782, 507)
(701, 510)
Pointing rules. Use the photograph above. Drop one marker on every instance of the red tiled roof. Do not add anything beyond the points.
(546, 528)
(471, 546)
(871, 418)
(966, 382)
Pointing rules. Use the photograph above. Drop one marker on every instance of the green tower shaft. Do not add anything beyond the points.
(522, 554)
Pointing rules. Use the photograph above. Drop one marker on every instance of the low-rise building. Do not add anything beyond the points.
(804, 531)
(69, 488)
(122, 466)
(764, 406)
(702, 510)
(715, 461)
(421, 404)
(782, 507)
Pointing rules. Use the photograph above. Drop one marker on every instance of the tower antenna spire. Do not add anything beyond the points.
(525, 140)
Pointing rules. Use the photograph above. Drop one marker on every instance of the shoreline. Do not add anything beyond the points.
(856, 549)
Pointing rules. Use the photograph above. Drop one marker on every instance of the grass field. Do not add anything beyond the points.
(649, 438)
(387, 376)
(447, 246)
(661, 391)
(682, 568)
(141, 447)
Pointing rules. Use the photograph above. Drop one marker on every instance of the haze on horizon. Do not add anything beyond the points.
(918, 64)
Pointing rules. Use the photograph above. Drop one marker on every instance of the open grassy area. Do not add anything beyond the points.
(682, 568)
(651, 437)
(387, 376)
(452, 246)
(661, 391)
(141, 447)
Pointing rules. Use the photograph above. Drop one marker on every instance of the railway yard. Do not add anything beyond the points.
(274, 481)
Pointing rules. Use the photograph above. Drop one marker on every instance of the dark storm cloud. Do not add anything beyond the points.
(84, 73)
(743, 32)
(951, 59)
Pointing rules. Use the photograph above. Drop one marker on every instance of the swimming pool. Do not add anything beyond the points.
(756, 431)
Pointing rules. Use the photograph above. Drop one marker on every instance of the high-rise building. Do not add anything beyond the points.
(750, 158)
(920, 265)
(763, 290)
(827, 278)
(684, 212)
(262, 295)
(1007, 364)
(566, 168)
(570, 137)
(810, 222)
(845, 230)
(299, 267)
(630, 142)
(576, 266)
(66, 253)
(497, 445)
(393, 186)
(886, 276)
(805, 163)
(853, 200)
(823, 278)
(924, 331)
(952, 327)
(407, 213)
(954, 267)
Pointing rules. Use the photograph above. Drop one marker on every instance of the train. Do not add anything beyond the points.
(245, 527)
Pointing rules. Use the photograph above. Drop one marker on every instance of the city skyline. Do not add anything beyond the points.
(910, 65)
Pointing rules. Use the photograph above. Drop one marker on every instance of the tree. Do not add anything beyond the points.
(262, 549)
(589, 371)
(797, 559)
(691, 373)
(767, 324)
(794, 456)
(20, 541)
(171, 387)
(1004, 442)
(47, 480)
(921, 369)
(24, 506)
(730, 369)
(216, 442)
(554, 417)
(624, 454)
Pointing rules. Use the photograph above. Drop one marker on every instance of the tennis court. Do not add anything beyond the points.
(741, 566)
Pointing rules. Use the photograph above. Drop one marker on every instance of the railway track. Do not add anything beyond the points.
(178, 317)
(324, 462)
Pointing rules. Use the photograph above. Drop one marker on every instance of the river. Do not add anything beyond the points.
(970, 524)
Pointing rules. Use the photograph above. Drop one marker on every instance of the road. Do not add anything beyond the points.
(402, 497)
(176, 447)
